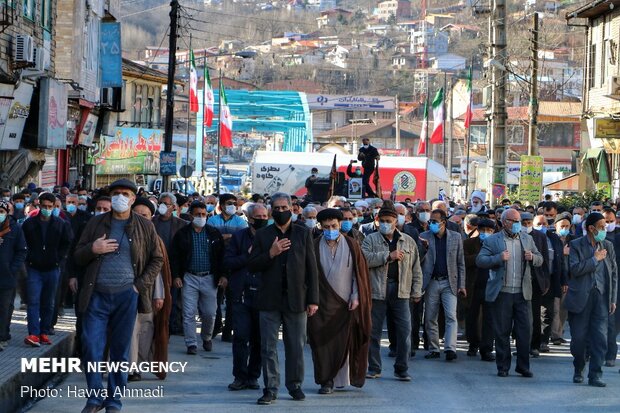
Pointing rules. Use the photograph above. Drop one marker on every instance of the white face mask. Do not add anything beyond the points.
(311, 223)
(401, 220)
(475, 208)
(97, 213)
(424, 216)
(231, 209)
(120, 203)
(162, 209)
(294, 217)
(577, 219)
(529, 229)
(611, 227)
(199, 222)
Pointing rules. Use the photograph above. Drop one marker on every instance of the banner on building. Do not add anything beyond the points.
(110, 58)
(351, 102)
(394, 152)
(531, 180)
(87, 135)
(168, 163)
(129, 151)
(52, 132)
(13, 114)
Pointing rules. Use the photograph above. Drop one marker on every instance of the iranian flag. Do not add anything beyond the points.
(437, 136)
(209, 99)
(424, 132)
(469, 113)
(225, 120)
(193, 84)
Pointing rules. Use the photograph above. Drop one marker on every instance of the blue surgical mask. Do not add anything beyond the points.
(27, 199)
(210, 208)
(71, 208)
(542, 229)
(360, 219)
(346, 226)
(2, 218)
(270, 221)
(563, 232)
(385, 228)
(434, 227)
(55, 212)
(483, 236)
(19, 205)
(331, 234)
(82, 208)
(516, 227)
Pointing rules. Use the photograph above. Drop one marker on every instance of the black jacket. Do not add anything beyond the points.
(183, 245)
(242, 283)
(541, 273)
(559, 270)
(12, 254)
(47, 254)
(302, 275)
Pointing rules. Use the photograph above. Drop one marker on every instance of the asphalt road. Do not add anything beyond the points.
(467, 385)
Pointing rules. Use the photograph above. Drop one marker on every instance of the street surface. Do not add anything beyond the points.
(467, 385)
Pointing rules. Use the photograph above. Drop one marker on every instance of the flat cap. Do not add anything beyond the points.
(387, 212)
(144, 201)
(124, 183)
(526, 216)
(564, 215)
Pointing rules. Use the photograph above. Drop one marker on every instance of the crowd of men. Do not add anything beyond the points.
(140, 267)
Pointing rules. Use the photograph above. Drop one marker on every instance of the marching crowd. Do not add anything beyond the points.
(140, 267)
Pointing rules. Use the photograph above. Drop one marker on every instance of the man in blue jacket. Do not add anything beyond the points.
(244, 286)
(12, 256)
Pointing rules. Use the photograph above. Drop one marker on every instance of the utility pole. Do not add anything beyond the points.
(497, 35)
(532, 147)
(397, 123)
(172, 55)
(450, 141)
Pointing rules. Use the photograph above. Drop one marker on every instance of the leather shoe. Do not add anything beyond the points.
(472, 352)
(326, 389)
(192, 350)
(297, 394)
(535, 353)
(432, 355)
(252, 384)
(92, 408)
(237, 385)
(451, 355)
(207, 345)
(524, 373)
(610, 363)
(597, 383)
(502, 373)
(544, 348)
(487, 357)
(577, 379)
(134, 377)
(268, 398)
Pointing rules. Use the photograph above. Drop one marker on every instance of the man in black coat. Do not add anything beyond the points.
(243, 286)
(289, 293)
(369, 155)
(558, 269)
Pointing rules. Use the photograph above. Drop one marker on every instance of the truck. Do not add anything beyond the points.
(406, 177)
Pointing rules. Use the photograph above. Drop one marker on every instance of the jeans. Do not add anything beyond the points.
(198, 292)
(7, 297)
(589, 329)
(512, 312)
(41, 287)
(294, 336)
(440, 293)
(399, 309)
(246, 341)
(109, 318)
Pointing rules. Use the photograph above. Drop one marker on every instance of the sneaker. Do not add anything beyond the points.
(487, 357)
(207, 345)
(44, 339)
(402, 376)
(192, 350)
(297, 394)
(268, 398)
(33, 341)
(432, 355)
(237, 385)
(252, 384)
(373, 375)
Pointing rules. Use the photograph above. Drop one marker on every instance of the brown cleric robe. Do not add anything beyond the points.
(334, 332)
(161, 317)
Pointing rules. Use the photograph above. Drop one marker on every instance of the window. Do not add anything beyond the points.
(328, 117)
(478, 134)
(514, 135)
(605, 48)
(557, 135)
(46, 14)
(592, 66)
(29, 9)
(348, 115)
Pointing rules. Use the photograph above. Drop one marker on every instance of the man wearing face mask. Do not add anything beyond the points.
(368, 155)
(182, 208)
(477, 202)
(510, 255)
(542, 295)
(5, 195)
(395, 279)
(289, 293)
(48, 239)
(12, 257)
(244, 287)
(591, 298)
(479, 335)
(309, 213)
(227, 221)
(339, 333)
(444, 277)
(423, 215)
(122, 258)
(19, 205)
(167, 226)
(211, 203)
(196, 264)
(310, 181)
(347, 226)
(363, 207)
(613, 236)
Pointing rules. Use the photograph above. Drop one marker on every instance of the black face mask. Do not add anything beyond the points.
(259, 223)
(281, 217)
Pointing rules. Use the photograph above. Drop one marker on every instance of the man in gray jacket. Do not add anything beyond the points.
(509, 255)
(591, 297)
(395, 278)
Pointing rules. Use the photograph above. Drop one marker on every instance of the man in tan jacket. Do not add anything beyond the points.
(395, 278)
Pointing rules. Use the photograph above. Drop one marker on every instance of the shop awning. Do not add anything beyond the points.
(595, 163)
(569, 183)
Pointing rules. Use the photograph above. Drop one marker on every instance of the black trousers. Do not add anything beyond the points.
(7, 297)
(246, 342)
(368, 192)
(512, 312)
(479, 323)
(541, 324)
(613, 327)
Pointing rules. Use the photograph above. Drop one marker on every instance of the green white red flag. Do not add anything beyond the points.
(209, 102)
(469, 113)
(225, 120)
(424, 132)
(193, 84)
(438, 118)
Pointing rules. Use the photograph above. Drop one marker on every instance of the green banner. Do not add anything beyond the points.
(129, 151)
(531, 180)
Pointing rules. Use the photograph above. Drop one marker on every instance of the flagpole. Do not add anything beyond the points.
(471, 89)
(428, 142)
(189, 105)
(204, 113)
(219, 128)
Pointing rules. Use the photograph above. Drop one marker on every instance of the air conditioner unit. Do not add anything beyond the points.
(613, 86)
(486, 96)
(23, 50)
(39, 59)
